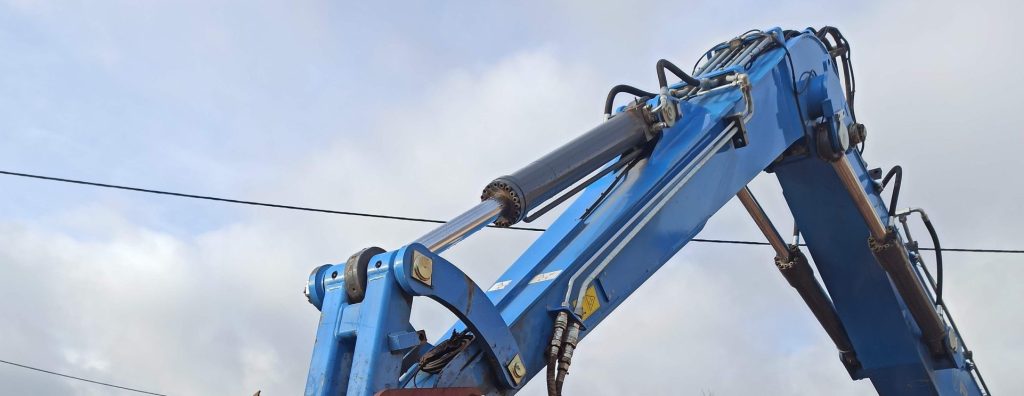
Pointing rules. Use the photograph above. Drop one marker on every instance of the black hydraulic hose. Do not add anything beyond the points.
(841, 50)
(622, 88)
(938, 258)
(568, 346)
(555, 346)
(434, 360)
(551, 373)
(664, 64)
(896, 171)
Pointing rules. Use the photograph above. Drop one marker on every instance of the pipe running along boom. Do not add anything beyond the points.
(645, 181)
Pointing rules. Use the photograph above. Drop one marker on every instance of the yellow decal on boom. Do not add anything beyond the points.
(590, 302)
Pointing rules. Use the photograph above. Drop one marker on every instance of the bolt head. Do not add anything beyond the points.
(517, 369)
(422, 268)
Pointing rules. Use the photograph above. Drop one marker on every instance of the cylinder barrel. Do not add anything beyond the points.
(558, 170)
(893, 257)
(798, 272)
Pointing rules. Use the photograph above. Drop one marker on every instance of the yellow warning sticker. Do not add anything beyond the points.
(590, 302)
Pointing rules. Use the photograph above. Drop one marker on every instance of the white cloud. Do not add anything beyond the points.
(91, 289)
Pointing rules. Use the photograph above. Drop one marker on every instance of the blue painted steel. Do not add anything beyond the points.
(360, 347)
(884, 334)
(654, 210)
(330, 355)
(352, 354)
(315, 286)
(384, 311)
(624, 227)
(453, 289)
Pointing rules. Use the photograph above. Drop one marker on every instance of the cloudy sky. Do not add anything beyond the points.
(410, 110)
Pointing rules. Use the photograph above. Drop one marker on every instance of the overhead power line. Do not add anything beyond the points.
(81, 379)
(344, 213)
(402, 218)
(239, 201)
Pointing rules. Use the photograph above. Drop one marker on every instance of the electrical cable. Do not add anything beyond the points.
(796, 89)
(433, 361)
(403, 218)
(707, 55)
(239, 201)
(80, 378)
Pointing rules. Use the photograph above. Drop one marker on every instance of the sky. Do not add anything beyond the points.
(409, 110)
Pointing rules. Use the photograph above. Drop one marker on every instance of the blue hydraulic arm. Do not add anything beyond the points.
(648, 179)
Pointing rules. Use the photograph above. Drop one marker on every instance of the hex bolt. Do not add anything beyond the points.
(422, 268)
(517, 369)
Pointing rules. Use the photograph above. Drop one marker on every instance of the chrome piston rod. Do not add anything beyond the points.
(763, 223)
(888, 249)
(507, 199)
(794, 266)
(461, 226)
(849, 180)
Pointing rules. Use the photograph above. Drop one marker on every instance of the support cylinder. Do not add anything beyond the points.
(798, 272)
(542, 179)
(893, 257)
(800, 275)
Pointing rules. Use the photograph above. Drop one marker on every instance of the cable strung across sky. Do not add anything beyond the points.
(391, 217)
(80, 378)
(344, 213)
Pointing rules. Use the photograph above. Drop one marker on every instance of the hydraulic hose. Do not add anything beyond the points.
(664, 64)
(896, 171)
(568, 347)
(938, 257)
(557, 333)
(622, 88)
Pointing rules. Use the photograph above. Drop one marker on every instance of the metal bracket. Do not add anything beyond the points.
(667, 111)
(448, 285)
(740, 81)
(740, 139)
(832, 138)
(376, 326)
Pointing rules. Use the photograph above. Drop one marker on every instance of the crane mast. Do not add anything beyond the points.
(645, 182)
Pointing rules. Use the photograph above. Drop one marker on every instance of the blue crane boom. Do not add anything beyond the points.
(648, 179)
